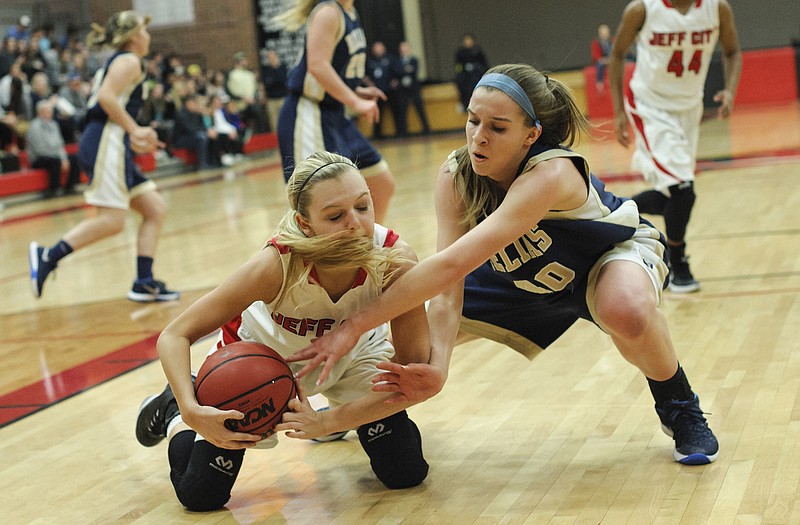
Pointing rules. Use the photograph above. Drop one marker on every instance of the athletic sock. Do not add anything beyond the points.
(57, 252)
(675, 388)
(144, 268)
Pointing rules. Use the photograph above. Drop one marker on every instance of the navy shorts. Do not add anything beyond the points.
(305, 127)
(527, 322)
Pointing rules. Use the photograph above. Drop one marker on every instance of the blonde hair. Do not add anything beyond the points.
(119, 28)
(330, 250)
(293, 18)
(562, 122)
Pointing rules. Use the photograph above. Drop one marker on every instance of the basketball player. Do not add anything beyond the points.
(529, 241)
(328, 260)
(674, 44)
(324, 87)
(106, 152)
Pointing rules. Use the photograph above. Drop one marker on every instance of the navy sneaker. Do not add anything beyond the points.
(40, 267)
(336, 436)
(155, 413)
(695, 443)
(150, 290)
(681, 279)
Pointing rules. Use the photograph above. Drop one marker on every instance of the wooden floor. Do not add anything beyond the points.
(570, 437)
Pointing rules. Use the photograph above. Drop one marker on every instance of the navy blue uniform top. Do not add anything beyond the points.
(349, 60)
(557, 254)
(131, 99)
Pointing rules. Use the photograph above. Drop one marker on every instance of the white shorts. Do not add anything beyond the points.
(666, 143)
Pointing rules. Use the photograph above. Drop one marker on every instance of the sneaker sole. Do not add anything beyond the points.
(684, 288)
(33, 263)
(336, 436)
(149, 298)
(694, 459)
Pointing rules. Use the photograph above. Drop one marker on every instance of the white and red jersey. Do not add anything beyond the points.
(307, 312)
(673, 51)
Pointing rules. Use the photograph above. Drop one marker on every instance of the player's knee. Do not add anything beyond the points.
(394, 447)
(627, 318)
(682, 197)
(198, 501)
(208, 479)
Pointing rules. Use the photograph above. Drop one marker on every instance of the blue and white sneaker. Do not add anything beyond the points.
(150, 290)
(695, 443)
(336, 436)
(39, 266)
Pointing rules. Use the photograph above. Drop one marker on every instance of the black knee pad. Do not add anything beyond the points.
(650, 201)
(394, 447)
(201, 473)
(678, 210)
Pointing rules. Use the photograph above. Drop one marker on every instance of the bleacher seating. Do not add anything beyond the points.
(30, 180)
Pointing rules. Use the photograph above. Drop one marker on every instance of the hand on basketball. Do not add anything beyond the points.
(326, 349)
(412, 383)
(209, 422)
(301, 421)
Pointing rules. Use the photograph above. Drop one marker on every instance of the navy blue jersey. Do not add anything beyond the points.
(349, 60)
(559, 250)
(532, 291)
(131, 99)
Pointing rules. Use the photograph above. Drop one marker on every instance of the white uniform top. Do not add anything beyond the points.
(673, 52)
(307, 312)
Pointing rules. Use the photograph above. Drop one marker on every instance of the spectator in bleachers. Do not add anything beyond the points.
(45, 147)
(9, 152)
(15, 98)
(198, 78)
(216, 83)
(273, 76)
(81, 66)
(229, 139)
(76, 92)
(242, 84)
(63, 111)
(9, 51)
(153, 68)
(22, 29)
(33, 60)
(158, 112)
(190, 132)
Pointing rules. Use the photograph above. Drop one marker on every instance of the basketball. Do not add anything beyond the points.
(251, 378)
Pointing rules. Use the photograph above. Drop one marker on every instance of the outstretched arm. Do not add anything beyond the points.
(418, 382)
(552, 184)
(301, 421)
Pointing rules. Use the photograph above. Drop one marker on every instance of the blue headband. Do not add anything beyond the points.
(509, 86)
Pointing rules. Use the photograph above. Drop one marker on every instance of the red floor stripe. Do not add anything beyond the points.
(58, 387)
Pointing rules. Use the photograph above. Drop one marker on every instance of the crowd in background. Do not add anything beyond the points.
(212, 112)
